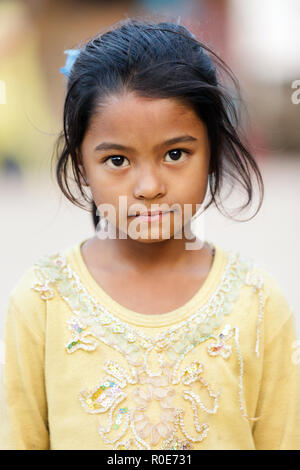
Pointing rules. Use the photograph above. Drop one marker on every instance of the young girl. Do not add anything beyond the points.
(136, 338)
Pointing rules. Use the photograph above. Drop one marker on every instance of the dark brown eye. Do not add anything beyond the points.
(117, 160)
(176, 154)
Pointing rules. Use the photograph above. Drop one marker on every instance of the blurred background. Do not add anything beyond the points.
(260, 41)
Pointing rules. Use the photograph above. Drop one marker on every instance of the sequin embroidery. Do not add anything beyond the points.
(91, 323)
(219, 347)
(112, 390)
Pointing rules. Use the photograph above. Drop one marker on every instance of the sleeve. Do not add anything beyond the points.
(23, 405)
(278, 407)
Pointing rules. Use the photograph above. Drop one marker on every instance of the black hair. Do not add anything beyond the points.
(157, 60)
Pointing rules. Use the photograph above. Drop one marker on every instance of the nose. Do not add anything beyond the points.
(149, 183)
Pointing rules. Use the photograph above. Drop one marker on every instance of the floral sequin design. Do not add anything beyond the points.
(219, 347)
(92, 323)
(156, 388)
(110, 392)
(43, 286)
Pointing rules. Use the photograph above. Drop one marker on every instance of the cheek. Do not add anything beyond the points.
(193, 185)
(107, 196)
(101, 185)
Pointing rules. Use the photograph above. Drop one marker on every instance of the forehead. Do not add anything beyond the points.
(134, 115)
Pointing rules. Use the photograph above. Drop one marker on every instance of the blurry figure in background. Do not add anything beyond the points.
(206, 19)
(267, 54)
(11, 167)
(25, 118)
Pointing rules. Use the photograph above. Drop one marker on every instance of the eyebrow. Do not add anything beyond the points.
(174, 140)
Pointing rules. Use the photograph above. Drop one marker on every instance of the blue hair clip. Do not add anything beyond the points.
(72, 55)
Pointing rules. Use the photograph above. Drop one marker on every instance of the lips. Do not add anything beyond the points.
(150, 214)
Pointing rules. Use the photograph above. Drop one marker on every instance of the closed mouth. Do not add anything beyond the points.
(150, 214)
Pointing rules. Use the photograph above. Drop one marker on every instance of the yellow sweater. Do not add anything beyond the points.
(83, 372)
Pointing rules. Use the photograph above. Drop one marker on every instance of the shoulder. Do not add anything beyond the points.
(22, 294)
(27, 300)
(275, 300)
(269, 292)
(277, 309)
(25, 310)
(257, 275)
(38, 283)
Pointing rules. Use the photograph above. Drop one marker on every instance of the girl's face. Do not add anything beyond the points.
(126, 152)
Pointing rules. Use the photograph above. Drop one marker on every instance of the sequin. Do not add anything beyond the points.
(43, 286)
(92, 324)
(176, 342)
(220, 348)
(256, 282)
(178, 444)
(156, 387)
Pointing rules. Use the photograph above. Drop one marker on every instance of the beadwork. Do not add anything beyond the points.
(256, 281)
(91, 323)
(111, 391)
(219, 347)
(96, 322)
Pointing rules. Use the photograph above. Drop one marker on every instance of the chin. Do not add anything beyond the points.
(151, 240)
(157, 234)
